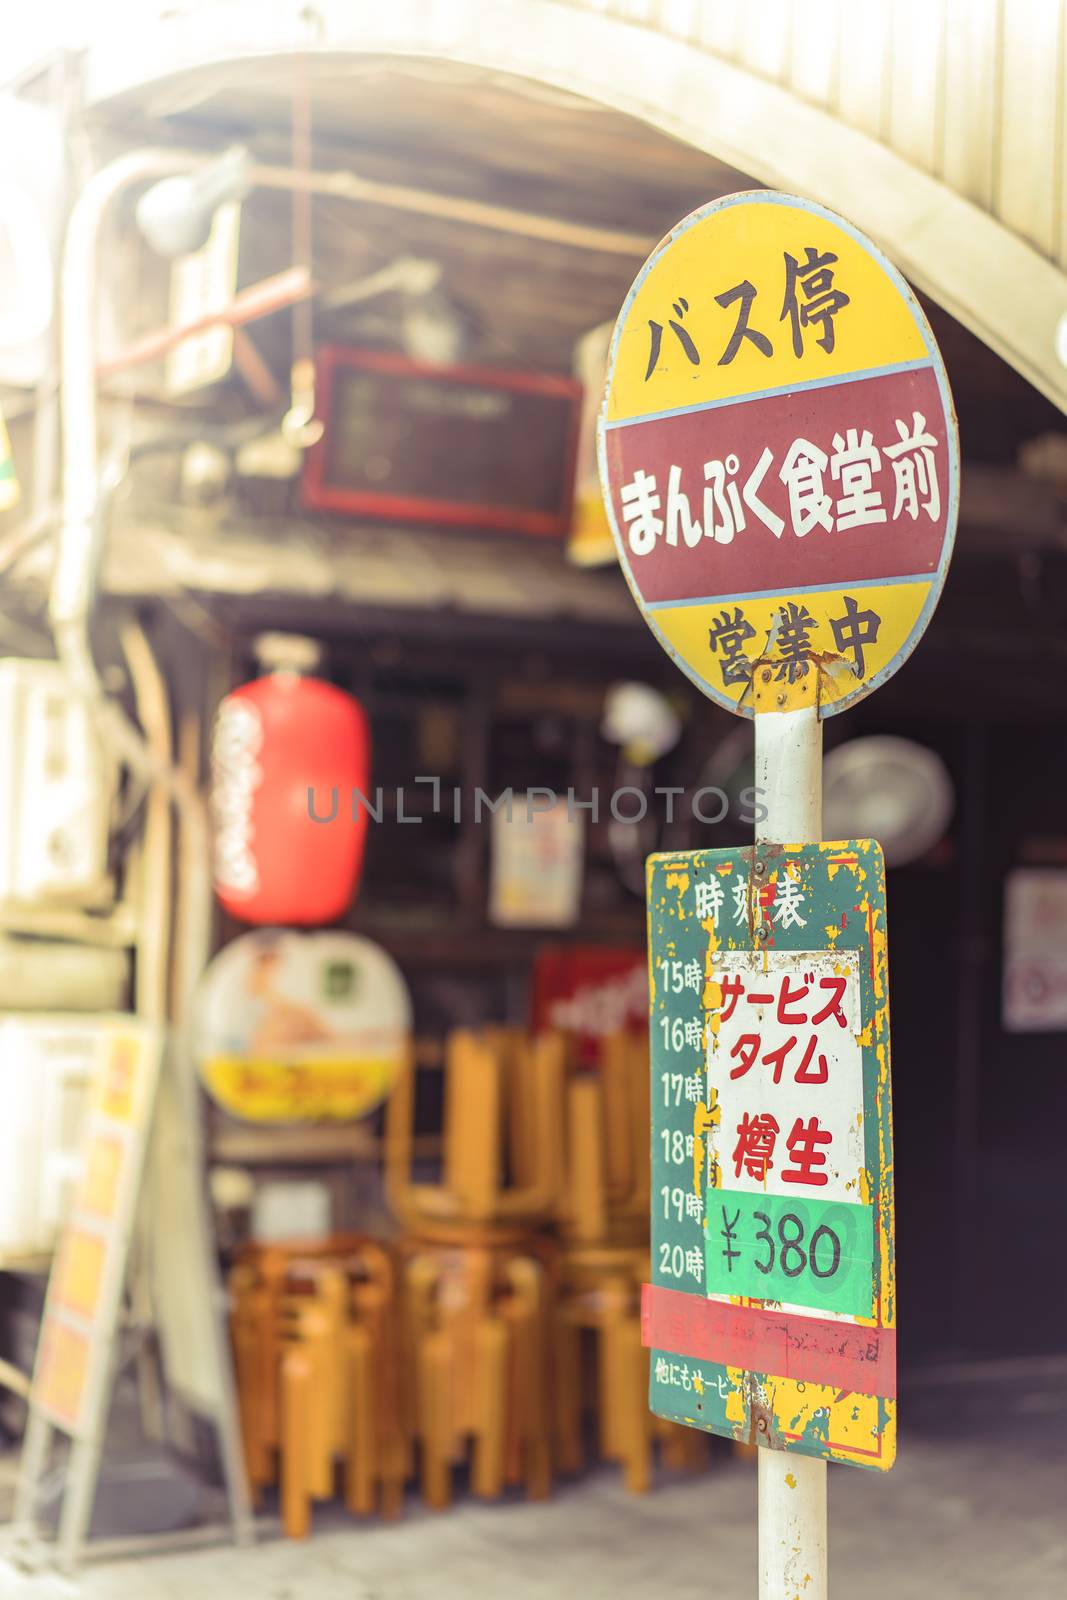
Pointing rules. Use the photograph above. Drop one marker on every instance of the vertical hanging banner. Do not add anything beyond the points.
(771, 1311)
(77, 1348)
(778, 451)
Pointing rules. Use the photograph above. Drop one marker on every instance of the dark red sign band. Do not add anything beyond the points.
(809, 1349)
(727, 461)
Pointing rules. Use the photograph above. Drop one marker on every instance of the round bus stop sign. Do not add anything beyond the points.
(778, 451)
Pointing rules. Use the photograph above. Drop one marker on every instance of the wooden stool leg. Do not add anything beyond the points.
(331, 1296)
(323, 1407)
(434, 1375)
(609, 1368)
(359, 1454)
(515, 1424)
(618, 1131)
(568, 1395)
(487, 1469)
(672, 1450)
(472, 1152)
(249, 1404)
(392, 1443)
(267, 1364)
(385, 1361)
(693, 1453)
(682, 1449)
(587, 1216)
(609, 1442)
(394, 1474)
(529, 1434)
(634, 1416)
(296, 1388)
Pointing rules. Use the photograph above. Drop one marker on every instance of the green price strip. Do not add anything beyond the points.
(792, 1249)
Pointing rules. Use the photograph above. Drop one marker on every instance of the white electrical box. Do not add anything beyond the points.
(56, 789)
(46, 1064)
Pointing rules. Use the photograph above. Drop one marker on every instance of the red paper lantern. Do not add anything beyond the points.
(287, 753)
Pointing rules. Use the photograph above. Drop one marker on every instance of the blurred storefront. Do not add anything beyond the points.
(311, 404)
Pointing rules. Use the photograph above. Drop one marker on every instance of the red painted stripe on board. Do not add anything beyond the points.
(757, 559)
(810, 1349)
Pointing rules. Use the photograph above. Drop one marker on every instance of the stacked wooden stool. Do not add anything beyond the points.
(318, 1378)
(603, 1226)
(476, 1273)
(500, 1331)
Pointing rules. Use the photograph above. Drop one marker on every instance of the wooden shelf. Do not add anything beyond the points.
(451, 943)
(279, 1147)
(307, 1147)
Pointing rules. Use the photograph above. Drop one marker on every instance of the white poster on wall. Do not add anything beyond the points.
(1035, 951)
(536, 871)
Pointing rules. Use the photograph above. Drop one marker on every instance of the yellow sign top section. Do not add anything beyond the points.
(753, 295)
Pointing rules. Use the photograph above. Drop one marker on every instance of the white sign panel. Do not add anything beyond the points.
(786, 1066)
(1035, 951)
(535, 877)
(201, 283)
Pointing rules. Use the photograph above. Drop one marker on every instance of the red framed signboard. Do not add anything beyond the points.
(471, 446)
(590, 992)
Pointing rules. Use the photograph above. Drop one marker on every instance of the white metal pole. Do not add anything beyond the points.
(792, 1526)
(789, 773)
(792, 1487)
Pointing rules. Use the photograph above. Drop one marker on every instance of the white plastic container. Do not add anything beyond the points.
(60, 975)
(46, 1063)
(55, 792)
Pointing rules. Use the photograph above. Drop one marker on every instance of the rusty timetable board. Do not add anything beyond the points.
(771, 1312)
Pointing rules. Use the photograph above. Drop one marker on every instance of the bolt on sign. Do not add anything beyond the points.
(778, 451)
(770, 1316)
